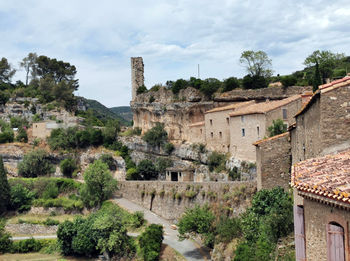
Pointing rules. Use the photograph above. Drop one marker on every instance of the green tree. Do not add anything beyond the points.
(230, 84)
(68, 166)
(99, 184)
(277, 127)
(6, 71)
(34, 164)
(22, 135)
(156, 136)
(210, 86)
(110, 132)
(288, 80)
(30, 66)
(326, 60)
(151, 242)
(146, 170)
(257, 63)
(254, 82)
(5, 238)
(179, 85)
(21, 198)
(316, 81)
(4, 188)
(198, 220)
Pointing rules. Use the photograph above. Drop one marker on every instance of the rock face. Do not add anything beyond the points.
(179, 111)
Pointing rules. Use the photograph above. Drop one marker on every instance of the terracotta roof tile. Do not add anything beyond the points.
(264, 107)
(328, 176)
(231, 106)
(271, 138)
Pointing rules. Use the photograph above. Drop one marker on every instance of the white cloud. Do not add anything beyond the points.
(172, 36)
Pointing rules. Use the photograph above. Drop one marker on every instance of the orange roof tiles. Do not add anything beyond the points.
(264, 107)
(327, 176)
(200, 123)
(231, 106)
(271, 138)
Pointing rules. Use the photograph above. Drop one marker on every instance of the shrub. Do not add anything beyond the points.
(22, 135)
(132, 174)
(21, 198)
(99, 184)
(6, 135)
(137, 219)
(179, 85)
(198, 220)
(35, 164)
(17, 122)
(146, 170)
(68, 166)
(227, 229)
(26, 246)
(216, 161)
(151, 99)
(156, 136)
(5, 238)
(4, 188)
(288, 80)
(141, 89)
(151, 242)
(210, 86)
(277, 127)
(108, 159)
(254, 82)
(169, 147)
(51, 191)
(230, 84)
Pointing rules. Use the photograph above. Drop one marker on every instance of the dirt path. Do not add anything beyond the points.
(186, 248)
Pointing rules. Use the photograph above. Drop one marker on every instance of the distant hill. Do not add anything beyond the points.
(123, 111)
(102, 112)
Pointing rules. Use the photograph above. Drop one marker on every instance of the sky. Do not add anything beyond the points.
(173, 37)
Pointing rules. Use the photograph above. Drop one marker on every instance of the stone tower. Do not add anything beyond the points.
(137, 78)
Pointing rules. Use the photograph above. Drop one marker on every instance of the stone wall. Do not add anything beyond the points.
(317, 216)
(170, 199)
(137, 77)
(273, 162)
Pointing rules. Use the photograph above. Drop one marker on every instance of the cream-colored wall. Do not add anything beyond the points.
(242, 147)
(39, 130)
(197, 134)
(219, 124)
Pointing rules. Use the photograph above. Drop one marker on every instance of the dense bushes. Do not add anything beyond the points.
(101, 232)
(21, 198)
(99, 184)
(156, 136)
(216, 161)
(4, 188)
(35, 163)
(151, 242)
(6, 134)
(68, 166)
(277, 127)
(5, 238)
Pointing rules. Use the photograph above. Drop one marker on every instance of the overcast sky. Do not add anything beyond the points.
(99, 37)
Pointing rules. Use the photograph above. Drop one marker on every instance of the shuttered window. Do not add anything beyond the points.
(299, 230)
(335, 242)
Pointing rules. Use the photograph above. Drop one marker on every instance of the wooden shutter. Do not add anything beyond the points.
(335, 243)
(299, 231)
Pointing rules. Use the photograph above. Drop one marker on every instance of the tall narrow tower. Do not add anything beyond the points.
(137, 77)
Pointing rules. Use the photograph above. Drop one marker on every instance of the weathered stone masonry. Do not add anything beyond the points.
(171, 199)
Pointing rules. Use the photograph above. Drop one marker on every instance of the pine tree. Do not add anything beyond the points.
(4, 188)
(317, 78)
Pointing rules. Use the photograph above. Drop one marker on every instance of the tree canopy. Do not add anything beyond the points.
(257, 63)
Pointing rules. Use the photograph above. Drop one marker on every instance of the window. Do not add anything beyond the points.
(211, 134)
(211, 122)
(201, 131)
(243, 132)
(258, 130)
(335, 242)
(284, 112)
(242, 118)
(220, 134)
(299, 233)
(228, 121)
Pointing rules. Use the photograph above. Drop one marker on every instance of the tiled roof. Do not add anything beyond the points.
(325, 177)
(264, 107)
(325, 88)
(231, 106)
(200, 123)
(271, 138)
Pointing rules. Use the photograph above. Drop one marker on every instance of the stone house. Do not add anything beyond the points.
(323, 124)
(321, 211)
(43, 129)
(217, 126)
(273, 162)
(197, 132)
(250, 123)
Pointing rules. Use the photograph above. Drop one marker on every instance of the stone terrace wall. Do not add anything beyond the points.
(273, 162)
(170, 199)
